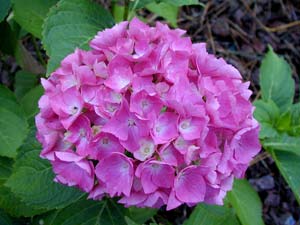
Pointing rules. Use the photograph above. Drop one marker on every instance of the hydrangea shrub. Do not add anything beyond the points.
(148, 117)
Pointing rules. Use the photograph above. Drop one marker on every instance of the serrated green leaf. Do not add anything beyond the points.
(5, 6)
(32, 179)
(29, 102)
(289, 164)
(141, 215)
(87, 212)
(283, 142)
(24, 81)
(4, 218)
(266, 111)
(211, 215)
(14, 206)
(165, 10)
(72, 24)
(13, 130)
(130, 221)
(8, 201)
(5, 169)
(276, 80)
(295, 120)
(8, 101)
(13, 125)
(30, 14)
(246, 203)
(267, 131)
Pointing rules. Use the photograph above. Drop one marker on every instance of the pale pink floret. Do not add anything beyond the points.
(165, 128)
(116, 171)
(145, 150)
(103, 145)
(163, 121)
(80, 134)
(189, 187)
(67, 105)
(73, 170)
(154, 175)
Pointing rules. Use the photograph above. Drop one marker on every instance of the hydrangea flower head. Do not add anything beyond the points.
(148, 117)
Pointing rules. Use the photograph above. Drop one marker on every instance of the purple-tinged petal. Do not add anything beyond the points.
(116, 171)
(189, 185)
(165, 128)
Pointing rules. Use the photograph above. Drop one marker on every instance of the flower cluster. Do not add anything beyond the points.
(149, 117)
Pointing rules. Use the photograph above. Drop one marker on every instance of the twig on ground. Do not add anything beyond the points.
(260, 157)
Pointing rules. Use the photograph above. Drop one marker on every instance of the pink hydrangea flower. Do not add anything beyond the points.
(148, 117)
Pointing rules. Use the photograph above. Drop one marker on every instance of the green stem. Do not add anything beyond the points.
(136, 2)
(126, 9)
(38, 52)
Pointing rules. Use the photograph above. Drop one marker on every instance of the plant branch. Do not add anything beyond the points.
(126, 9)
(38, 52)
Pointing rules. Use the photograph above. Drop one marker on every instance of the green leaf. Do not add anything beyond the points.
(72, 24)
(14, 206)
(266, 111)
(13, 125)
(142, 3)
(8, 39)
(284, 121)
(165, 10)
(8, 101)
(87, 212)
(267, 131)
(283, 142)
(30, 14)
(289, 164)
(295, 119)
(130, 221)
(211, 215)
(141, 215)
(276, 80)
(246, 203)
(4, 218)
(118, 12)
(184, 2)
(8, 201)
(5, 6)
(24, 81)
(5, 169)
(29, 102)
(32, 179)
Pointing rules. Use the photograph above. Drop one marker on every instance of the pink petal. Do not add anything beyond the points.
(104, 145)
(154, 175)
(189, 185)
(192, 128)
(72, 169)
(108, 37)
(165, 128)
(120, 74)
(116, 171)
